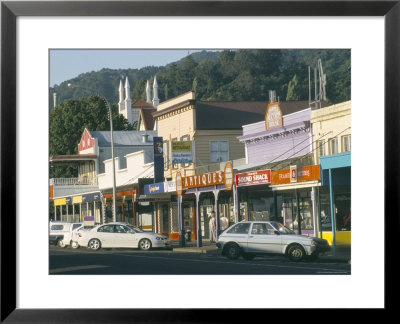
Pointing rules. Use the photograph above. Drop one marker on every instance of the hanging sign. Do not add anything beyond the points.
(273, 116)
(228, 176)
(158, 159)
(293, 173)
(178, 182)
(253, 178)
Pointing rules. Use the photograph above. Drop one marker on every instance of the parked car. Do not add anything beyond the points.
(118, 235)
(251, 238)
(61, 233)
(75, 235)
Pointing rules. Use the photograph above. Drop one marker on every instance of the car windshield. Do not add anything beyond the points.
(281, 228)
(136, 229)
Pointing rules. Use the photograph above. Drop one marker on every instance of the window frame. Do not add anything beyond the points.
(333, 140)
(344, 137)
(219, 151)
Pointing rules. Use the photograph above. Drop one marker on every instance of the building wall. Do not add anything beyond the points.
(138, 164)
(335, 119)
(280, 148)
(173, 126)
(203, 138)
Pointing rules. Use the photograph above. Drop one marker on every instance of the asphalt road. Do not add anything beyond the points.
(134, 262)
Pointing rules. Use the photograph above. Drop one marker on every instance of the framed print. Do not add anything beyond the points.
(30, 28)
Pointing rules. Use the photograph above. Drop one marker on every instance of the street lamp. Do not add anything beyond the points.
(70, 85)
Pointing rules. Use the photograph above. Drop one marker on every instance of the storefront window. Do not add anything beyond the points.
(128, 211)
(294, 203)
(325, 210)
(261, 206)
(343, 211)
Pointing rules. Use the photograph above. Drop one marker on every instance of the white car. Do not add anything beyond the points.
(247, 239)
(61, 232)
(117, 235)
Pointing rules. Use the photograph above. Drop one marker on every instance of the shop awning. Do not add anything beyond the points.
(341, 160)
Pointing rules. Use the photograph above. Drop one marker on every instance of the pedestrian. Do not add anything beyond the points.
(224, 222)
(212, 227)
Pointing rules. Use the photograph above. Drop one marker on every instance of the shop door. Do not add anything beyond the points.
(262, 238)
(165, 218)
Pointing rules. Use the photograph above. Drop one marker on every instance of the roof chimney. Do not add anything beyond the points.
(272, 96)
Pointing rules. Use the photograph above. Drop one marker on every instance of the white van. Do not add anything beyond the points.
(61, 232)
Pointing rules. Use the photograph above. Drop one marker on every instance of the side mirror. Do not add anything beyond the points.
(277, 232)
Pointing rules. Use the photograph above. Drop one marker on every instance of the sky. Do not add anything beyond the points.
(66, 64)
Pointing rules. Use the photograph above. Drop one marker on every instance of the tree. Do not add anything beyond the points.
(68, 120)
(292, 87)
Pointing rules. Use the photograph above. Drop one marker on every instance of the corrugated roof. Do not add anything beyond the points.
(123, 138)
(235, 114)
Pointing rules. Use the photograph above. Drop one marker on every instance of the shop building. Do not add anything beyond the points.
(281, 142)
(214, 130)
(88, 193)
(333, 153)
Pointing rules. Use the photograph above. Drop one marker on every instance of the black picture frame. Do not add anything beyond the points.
(10, 10)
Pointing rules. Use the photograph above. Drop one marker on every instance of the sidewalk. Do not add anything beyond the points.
(342, 255)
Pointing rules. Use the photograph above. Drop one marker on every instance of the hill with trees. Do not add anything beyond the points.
(228, 75)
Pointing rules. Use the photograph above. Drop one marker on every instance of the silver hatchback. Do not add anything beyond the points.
(248, 239)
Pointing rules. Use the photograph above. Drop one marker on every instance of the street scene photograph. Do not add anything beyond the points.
(199, 162)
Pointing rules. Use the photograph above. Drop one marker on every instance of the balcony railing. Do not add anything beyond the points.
(73, 181)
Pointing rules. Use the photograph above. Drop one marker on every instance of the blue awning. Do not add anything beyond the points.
(341, 160)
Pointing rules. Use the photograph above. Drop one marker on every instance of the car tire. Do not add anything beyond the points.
(61, 244)
(232, 251)
(74, 245)
(296, 253)
(94, 244)
(145, 244)
(248, 256)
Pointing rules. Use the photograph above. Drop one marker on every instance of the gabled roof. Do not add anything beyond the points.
(140, 103)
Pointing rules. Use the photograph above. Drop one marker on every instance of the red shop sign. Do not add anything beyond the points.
(253, 178)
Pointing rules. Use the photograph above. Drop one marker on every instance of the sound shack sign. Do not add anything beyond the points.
(209, 179)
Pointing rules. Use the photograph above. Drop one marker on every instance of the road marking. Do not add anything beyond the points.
(333, 271)
(77, 268)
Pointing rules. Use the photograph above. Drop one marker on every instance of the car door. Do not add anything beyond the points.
(264, 239)
(124, 237)
(105, 234)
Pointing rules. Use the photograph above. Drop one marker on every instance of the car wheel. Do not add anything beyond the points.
(145, 244)
(61, 244)
(248, 256)
(296, 253)
(94, 244)
(74, 245)
(232, 251)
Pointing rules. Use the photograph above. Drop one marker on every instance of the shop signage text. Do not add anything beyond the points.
(181, 152)
(305, 173)
(253, 178)
(154, 188)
